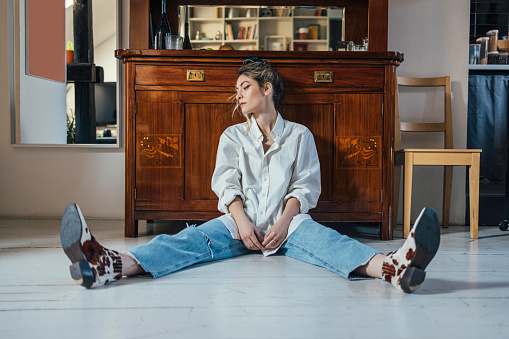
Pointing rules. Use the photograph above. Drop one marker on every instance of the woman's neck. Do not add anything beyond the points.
(266, 121)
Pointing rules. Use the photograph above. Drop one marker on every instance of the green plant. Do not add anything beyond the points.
(71, 127)
(69, 46)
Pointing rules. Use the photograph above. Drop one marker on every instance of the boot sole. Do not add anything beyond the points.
(427, 240)
(70, 238)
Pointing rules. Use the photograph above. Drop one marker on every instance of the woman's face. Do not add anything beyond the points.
(250, 97)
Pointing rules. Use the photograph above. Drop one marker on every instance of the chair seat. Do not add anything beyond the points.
(439, 150)
(436, 157)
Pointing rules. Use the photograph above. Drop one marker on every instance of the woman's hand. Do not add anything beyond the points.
(276, 235)
(249, 235)
(248, 232)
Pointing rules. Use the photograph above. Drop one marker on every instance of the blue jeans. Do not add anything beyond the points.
(311, 242)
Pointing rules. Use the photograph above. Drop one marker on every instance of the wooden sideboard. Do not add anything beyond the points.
(173, 125)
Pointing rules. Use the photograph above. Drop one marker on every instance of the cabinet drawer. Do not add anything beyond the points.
(342, 77)
(156, 75)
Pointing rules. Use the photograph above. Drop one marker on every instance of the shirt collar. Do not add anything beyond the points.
(276, 132)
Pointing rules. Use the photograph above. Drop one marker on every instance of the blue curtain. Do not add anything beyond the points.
(487, 123)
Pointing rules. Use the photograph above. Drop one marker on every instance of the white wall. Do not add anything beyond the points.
(433, 34)
(42, 181)
(104, 57)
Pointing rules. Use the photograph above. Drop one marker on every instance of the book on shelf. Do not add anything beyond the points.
(255, 32)
(250, 32)
(242, 33)
(229, 32)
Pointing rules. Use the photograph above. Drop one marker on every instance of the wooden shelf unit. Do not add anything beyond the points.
(209, 20)
(364, 18)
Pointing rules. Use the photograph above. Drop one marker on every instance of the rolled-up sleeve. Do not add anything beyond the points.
(226, 180)
(305, 182)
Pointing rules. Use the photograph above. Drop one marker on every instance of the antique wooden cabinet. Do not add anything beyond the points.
(173, 124)
(179, 102)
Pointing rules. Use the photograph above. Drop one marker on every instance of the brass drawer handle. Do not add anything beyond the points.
(195, 75)
(324, 76)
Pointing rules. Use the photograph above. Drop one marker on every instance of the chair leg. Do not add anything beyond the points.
(407, 192)
(397, 184)
(446, 210)
(473, 177)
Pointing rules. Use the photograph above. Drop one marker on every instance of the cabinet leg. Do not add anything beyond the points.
(131, 228)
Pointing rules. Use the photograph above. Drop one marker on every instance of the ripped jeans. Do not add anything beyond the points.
(311, 242)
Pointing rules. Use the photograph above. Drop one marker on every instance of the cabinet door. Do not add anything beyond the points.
(318, 116)
(177, 134)
(159, 150)
(348, 133)
(207, 115)
(358, 152)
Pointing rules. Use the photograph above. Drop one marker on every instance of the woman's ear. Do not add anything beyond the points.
(267, 88)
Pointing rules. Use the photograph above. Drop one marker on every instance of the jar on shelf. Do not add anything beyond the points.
(303, 33)
(493, 42)
(483, 52)
(493, 58)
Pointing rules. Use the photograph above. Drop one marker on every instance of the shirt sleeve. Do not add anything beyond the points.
(226, 180)
(305, 182)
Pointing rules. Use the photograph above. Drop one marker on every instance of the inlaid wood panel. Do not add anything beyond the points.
(159, 150)
(358, 152)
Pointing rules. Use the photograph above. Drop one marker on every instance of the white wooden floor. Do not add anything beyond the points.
(465, 295)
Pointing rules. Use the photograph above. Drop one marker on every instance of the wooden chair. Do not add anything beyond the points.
(446, 157)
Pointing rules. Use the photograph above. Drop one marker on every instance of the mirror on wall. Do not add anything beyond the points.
(276, 28)
(82, 93)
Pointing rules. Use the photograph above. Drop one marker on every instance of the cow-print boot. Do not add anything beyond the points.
(92, 264)
(405, 267)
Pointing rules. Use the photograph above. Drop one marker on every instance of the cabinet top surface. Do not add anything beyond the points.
(291, 56)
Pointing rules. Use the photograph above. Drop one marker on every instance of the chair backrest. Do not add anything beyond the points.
(445, 126)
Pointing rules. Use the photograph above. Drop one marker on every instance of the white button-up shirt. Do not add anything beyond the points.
(266, 180)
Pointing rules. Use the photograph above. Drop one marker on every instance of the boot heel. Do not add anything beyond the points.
(82, 274)
(412, 279)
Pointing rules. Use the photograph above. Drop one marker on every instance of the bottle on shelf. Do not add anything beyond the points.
(187, 41)
(151, 33)
(163, 28)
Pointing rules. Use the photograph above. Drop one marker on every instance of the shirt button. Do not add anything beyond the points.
(261, 212)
